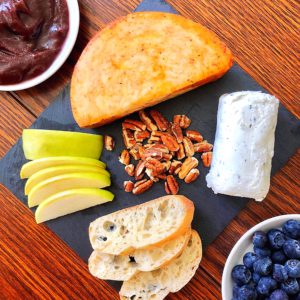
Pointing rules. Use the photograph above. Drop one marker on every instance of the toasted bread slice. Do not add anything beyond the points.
(169, 279)
(143, 226)
(140, 60)
(123, 267)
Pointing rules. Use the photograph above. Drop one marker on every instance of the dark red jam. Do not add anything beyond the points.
(32, 33)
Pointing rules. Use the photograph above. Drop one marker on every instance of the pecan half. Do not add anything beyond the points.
(128, 186)
(147, 121)
(194, 135)
(175, 167)
(167, 156)
(133, 125)
(154, 150)
(154, 153)
(180, 153)
(128, 138)
(109, 143)
(140, 136)
(160, 147)
(203, 147)
(177, 132)
(140, 188)
(139, 170)
(135, 153)
(188, 147)
(140, 182)
(150, 174)
(167, 165)
(161, 122)
(141, 151)
(129, 169)
(154, 139)
(171, 185)
(162, 176)
(182, 120)
(170, 142)
(206, 158)
(124, 157)
(189, 164)
(192, 176)
(155, 165)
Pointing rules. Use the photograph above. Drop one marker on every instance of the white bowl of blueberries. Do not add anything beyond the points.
(265, 262)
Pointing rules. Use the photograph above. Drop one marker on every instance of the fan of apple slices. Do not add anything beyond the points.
(65, 174)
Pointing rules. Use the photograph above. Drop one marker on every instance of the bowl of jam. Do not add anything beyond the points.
(36, 37)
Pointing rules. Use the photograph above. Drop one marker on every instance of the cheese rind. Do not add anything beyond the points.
(244, 145)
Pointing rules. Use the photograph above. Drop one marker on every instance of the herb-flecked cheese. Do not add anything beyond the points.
(244, 145)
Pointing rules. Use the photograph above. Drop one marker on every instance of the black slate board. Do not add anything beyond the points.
(213, 212)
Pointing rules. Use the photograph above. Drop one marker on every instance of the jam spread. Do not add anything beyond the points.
(32, 33)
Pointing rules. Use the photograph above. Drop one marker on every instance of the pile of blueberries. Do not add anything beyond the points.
(272, 270)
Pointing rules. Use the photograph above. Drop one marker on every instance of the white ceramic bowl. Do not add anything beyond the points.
(61, 57)
(244, 245)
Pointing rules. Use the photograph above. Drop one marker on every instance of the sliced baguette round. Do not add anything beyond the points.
(123, 267)
(159, 256)
(169, 279)
(143, 226)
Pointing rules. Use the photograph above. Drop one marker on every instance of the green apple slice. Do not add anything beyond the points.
(38, 143)
(60, 170)
(34, 166)
(51, 186)
(70, 201)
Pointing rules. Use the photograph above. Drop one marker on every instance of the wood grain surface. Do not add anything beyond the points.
(263, 35)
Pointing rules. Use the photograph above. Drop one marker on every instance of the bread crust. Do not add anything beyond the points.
(182, 229)
(104, 266)
(168, 279)
(96, 96)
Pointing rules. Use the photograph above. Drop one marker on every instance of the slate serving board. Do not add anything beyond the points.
(212, 212)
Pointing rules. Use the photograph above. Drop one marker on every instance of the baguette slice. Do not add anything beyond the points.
(169, 279)
(140, 60)
(123, 267)
(143, 226)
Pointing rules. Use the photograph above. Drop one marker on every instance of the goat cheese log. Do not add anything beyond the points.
(244, 145)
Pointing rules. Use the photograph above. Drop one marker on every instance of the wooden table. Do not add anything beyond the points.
(36, 264)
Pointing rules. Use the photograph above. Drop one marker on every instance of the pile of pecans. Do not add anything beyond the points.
(162, 150)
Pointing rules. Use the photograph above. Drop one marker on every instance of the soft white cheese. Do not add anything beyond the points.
(244, 145)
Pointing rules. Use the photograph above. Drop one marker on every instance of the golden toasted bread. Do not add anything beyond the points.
(140, 60)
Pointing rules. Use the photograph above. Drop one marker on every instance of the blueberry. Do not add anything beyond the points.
(263, 266)
(255, 277)
(247, 293)
(266, 285)
(249, 259)
(291, 249)
(241, 275)
(291, 286)
(252, 284)
(279, 295)
(262, 252)
(295, 297)
(276, 239)
(259, 239)
(292, 229)
(278, 257)
(292, 268)
(280, 273)
(235, 290)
